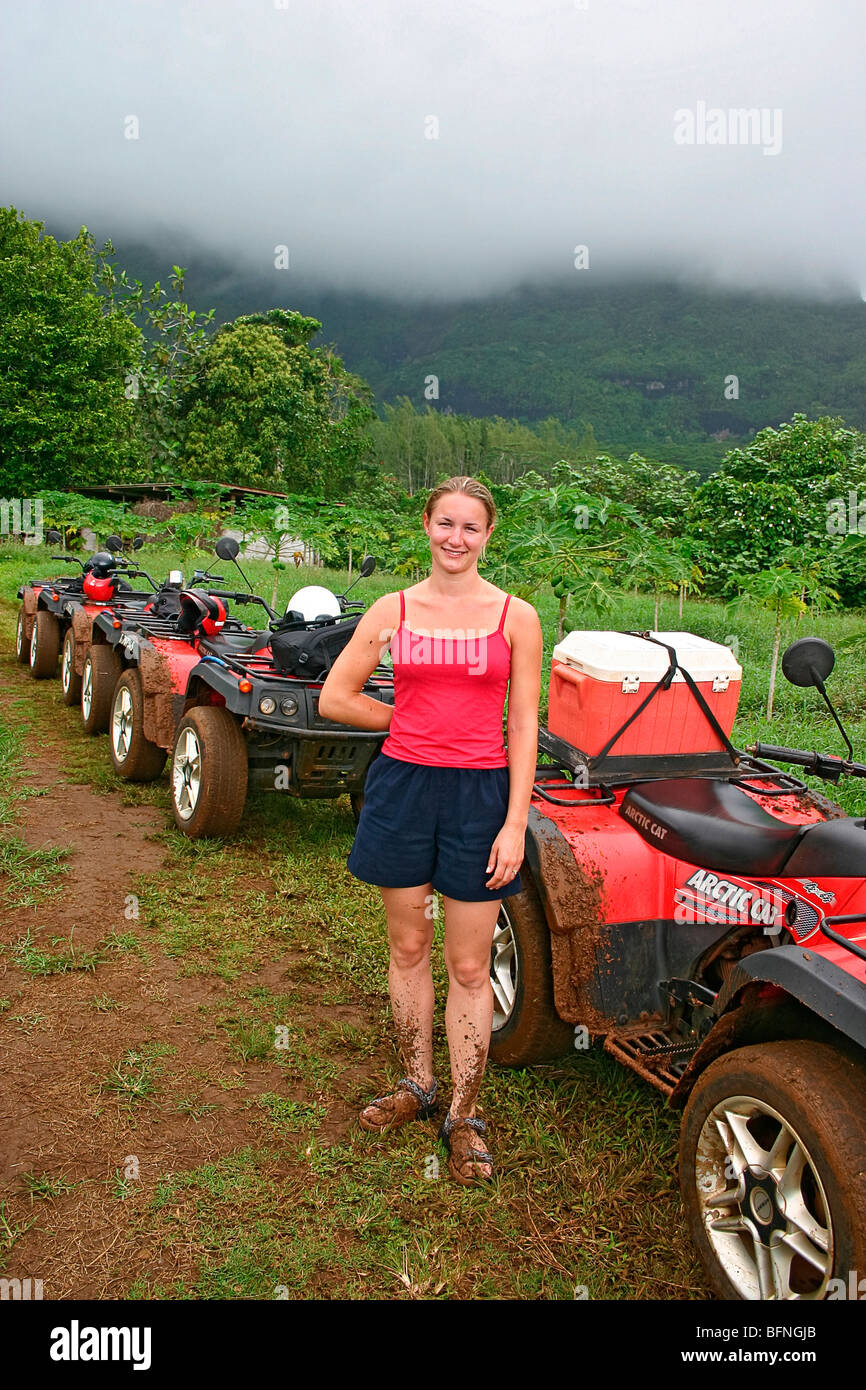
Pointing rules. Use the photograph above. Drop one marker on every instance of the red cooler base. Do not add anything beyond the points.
(586, 711)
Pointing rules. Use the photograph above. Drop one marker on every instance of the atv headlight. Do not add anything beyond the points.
(267, 704)
(289, 706)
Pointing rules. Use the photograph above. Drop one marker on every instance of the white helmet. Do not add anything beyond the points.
(315, 601)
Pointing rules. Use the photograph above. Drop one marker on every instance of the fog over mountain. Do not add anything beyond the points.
(449, 150)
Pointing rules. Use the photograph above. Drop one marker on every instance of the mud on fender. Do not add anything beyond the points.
(572, 901)
(571, 898)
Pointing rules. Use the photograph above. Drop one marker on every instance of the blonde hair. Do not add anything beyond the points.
(471, 487)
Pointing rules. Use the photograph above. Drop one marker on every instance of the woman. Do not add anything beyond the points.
(445, 806)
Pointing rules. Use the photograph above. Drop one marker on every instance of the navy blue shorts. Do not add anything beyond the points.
(436, 825)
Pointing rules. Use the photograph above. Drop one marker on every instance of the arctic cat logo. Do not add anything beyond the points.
(740, 904)
(645, 822)
(817, 892)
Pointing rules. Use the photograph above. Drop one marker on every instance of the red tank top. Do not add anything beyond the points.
(449, 695)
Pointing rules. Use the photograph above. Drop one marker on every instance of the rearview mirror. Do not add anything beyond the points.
(808, 661)
(53, 537)
(113, 543)
(369, 564)
(227, 548)
(138, 543)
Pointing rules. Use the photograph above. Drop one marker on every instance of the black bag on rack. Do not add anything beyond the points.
(311, 654)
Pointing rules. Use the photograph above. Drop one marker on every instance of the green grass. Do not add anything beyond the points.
(45, 1187)
(135, 1076)
(193, 1106)
(28, 875)
(11, 1231)
(248, 1039)
(33, 957)
(289, 1116)
(104, 1004)
(124, 943)
(580, 1202)
(31, 874)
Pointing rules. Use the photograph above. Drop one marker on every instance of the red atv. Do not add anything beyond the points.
(56, 614)
(102, 663)
(703, 913)
(232, 705)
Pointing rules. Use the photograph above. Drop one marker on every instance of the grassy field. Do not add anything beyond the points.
(225, 1033)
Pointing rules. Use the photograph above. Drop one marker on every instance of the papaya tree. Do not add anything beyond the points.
(780, 591)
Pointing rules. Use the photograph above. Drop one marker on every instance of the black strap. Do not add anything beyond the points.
(664, 684)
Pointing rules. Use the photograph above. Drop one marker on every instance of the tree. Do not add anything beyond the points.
(298, 517)
(657, 563)
(782, 591)
(559, 535)
(64, 356)
(265, 410)
(174, 339)
(70, 513)
(776, 493)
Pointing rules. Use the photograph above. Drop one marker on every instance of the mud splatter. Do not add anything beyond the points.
(467, 1077)
(576, 933)
(82, 627)
(411, 1042)
(159, 720)
(816, 801)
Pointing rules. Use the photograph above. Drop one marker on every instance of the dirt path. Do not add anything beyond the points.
(62, 1053)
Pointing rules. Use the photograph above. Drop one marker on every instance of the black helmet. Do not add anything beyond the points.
(101, 564)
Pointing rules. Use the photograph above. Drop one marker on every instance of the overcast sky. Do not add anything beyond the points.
(561, 123)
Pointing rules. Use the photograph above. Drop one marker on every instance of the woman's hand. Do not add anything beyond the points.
(506, 856)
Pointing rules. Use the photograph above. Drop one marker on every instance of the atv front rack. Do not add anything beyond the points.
(255, 664)
(547, 777)
(650, 767)
(844, 921)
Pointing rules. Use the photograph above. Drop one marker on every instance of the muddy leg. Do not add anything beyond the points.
(410, 980)
(469, 931)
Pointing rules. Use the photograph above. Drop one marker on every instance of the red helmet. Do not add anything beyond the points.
(100, 589)
(201, 612)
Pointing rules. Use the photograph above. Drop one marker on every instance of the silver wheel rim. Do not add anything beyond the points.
(186, 773)
(66, 668)
(33, 643)
(87, 689)
(121, 723)
(764, 1208)
(19, 635)
(503, 970)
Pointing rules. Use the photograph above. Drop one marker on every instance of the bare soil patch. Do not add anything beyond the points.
(71, 1063)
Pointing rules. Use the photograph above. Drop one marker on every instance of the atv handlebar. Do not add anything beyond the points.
(824, 765)
(135, 573)
(244, 598)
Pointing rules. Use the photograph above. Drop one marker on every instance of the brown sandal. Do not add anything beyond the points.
(408, 1101)
(462, 1155)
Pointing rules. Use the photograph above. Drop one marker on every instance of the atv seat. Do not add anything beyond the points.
(710, 823)
(231, 642)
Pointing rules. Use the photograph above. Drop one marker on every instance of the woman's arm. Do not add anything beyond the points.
(522, 726)
(341, 697)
